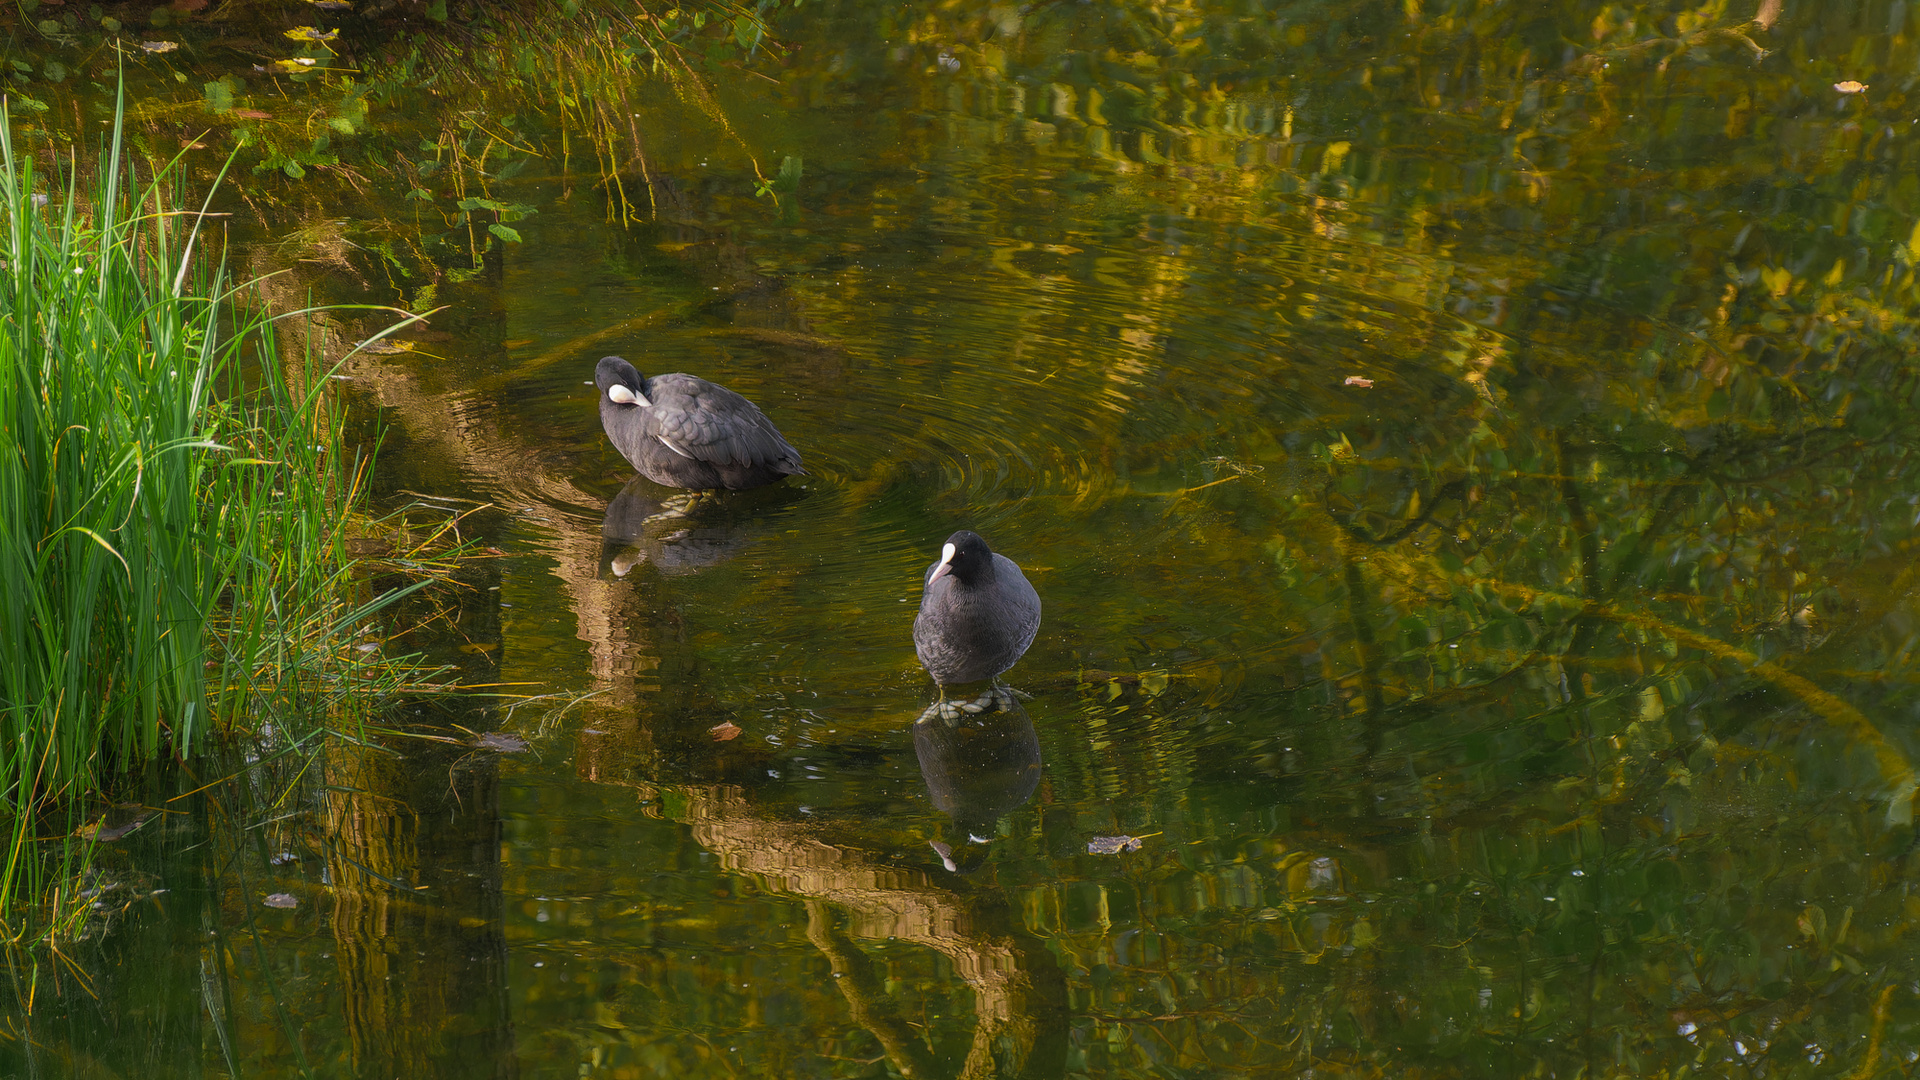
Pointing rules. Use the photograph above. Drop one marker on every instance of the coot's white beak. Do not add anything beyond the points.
(946, 564)
(621, 394)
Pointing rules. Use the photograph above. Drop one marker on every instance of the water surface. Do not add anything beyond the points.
(1466, 460)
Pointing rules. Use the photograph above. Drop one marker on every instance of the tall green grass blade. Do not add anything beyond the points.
(171, 518)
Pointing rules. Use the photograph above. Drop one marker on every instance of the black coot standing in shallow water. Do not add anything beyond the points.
(977, 616)
(682, 431)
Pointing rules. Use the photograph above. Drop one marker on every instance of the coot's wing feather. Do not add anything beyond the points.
(1024, 602)
(711, 423)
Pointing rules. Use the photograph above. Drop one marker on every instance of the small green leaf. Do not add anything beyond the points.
(293, 169)
(504, 233)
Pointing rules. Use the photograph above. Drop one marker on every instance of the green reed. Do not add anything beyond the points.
(173, 503)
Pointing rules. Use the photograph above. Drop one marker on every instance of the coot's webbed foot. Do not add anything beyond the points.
(679, 506)
(1005, 695)
(994, 698)
(942, 710)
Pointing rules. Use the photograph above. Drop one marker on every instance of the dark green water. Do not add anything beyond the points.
(1543, 708)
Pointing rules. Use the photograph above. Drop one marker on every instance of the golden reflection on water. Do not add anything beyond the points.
(1471, 495)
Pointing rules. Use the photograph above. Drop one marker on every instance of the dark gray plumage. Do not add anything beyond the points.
(978, 613)
(685, 432)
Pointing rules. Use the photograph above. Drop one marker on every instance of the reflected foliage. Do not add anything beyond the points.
(1466, 450)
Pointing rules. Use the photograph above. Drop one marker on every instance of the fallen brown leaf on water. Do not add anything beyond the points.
(282, 900)
(1360, 381)
(501, 741)
(250, 114)
(118, 831)
(1113, 845)
(98, 830)
(724, 731)
(1850, 87)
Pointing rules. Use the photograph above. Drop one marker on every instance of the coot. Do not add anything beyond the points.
(685, 432)
(978, 613)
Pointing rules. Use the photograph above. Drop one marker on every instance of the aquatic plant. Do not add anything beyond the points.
(445, 106)
(176, 499)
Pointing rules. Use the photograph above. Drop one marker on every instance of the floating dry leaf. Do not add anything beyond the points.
(159, 46)
(504, 742)
(282, 900)
(1850, 87)
(721, 732)
(1360, 381)
(250, 114)
(98, 830)
(298, 63)
(1113, 845)
(106, 836)
(310, 33)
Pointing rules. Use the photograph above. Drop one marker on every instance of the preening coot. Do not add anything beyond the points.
(682, 431)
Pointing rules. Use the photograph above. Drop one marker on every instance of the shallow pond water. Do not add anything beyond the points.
(1473, 507)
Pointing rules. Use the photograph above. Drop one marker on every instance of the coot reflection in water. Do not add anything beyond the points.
(640, 526)
(978, 768)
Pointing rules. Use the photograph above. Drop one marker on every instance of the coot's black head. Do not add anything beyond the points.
(619, 382)
(967, 558)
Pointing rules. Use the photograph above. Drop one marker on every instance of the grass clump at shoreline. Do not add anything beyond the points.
(174, 508)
